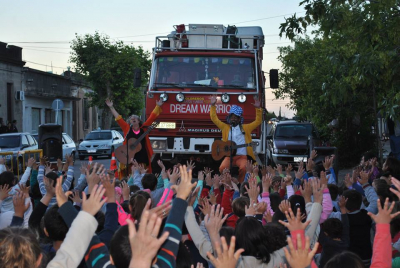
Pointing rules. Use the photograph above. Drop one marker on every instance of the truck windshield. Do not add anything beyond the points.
(205, 72)
(293, 131)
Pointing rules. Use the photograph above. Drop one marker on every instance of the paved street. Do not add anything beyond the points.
(102, 160)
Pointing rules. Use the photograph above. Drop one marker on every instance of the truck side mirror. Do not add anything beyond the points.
(138, 77)
(273, 78)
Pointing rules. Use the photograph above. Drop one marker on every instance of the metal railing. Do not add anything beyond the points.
(21, 158)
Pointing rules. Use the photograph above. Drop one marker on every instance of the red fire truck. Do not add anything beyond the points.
(189, 65)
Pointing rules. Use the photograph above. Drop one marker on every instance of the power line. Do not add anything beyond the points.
(268, 17)
(64, 68)
(47, 51)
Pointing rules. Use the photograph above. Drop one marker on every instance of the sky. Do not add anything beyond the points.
(44, 28)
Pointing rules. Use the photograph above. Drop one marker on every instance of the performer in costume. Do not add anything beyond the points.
(135, 129)
(241, 134)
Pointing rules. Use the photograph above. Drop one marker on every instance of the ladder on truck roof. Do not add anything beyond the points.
(211, 37)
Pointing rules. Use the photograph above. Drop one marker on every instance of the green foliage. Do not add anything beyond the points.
(352, 58)
(109, 67)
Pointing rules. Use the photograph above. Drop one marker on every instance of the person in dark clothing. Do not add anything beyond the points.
(334, 237)
(14, 126)
(3, 127)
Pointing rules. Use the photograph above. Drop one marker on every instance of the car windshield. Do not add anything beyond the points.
(98, 136)
(205, 73)
(10, 141)
(293, 131)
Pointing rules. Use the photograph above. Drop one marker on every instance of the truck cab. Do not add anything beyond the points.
(190, 65)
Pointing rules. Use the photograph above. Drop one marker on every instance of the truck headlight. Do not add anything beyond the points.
(242, 98)
(225, 98)
(180, 97)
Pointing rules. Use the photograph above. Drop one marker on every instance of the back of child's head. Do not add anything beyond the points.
(275, 199)
(120, 247)
(333, 191)
(251, 237)
(333, 228)
(345, 259)
(19, 248)
(276, 236)
(52, 176)
(227, 232)
(297, 201)
(55, 227)
(239, 206)
(243, 191)
(354, 200)
(137, 202)
(318, 168)
(7, 177)
(149, 181)
(133, 189)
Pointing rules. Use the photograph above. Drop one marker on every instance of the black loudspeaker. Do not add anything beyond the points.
(273, 78)
(50, 141)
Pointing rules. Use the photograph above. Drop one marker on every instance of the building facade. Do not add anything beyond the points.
(29, 94)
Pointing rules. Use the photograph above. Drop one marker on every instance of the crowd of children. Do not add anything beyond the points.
(187, 217)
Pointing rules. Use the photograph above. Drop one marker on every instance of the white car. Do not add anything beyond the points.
(99, 143)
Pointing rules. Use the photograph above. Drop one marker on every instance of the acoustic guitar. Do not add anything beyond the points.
(127, 152)
(220, 149)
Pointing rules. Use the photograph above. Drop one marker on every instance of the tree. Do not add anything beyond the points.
(109, 67)
(349, 70)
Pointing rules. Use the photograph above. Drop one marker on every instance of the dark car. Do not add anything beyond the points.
(290, 142)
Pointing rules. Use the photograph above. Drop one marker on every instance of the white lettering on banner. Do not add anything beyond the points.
(203, 130)
(194, 108)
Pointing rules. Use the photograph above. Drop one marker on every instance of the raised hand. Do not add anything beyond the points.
(249, 166)
(109, 186)
(318, 190)
(300, 171)
(60, 195)
(364, 177)
(19, 204)
(159, 102)
(266, 182)
(271, 170)
(306, 191)
(23, 189)
(310, 164)
(161, 165)
(288, 169)
(213, 198)
(75, 197)
(257, 102)
(190, 165)
(313, 154)
(94, 203)
(216, 181)
(205, 206)
(43, 160)
(142, 169)
(193, 197)
(144, 242)
(213, 99)
(264, 171)
(215, 220)
(109, 103)
(284, 206)
(48, 169)
(125, 190)
(4, 191)
(251, 209)
(31, 162)
(186, 185)
(279, 169)
(323, 178)
(253, 190)
(174, 175)
(294, 222)
(261, 208)
(302, 256)
(384, 214)
(227, 257)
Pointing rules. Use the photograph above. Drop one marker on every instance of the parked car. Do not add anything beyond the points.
(290, 142)
(15, 143)
(68, 145)
(99, 143)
